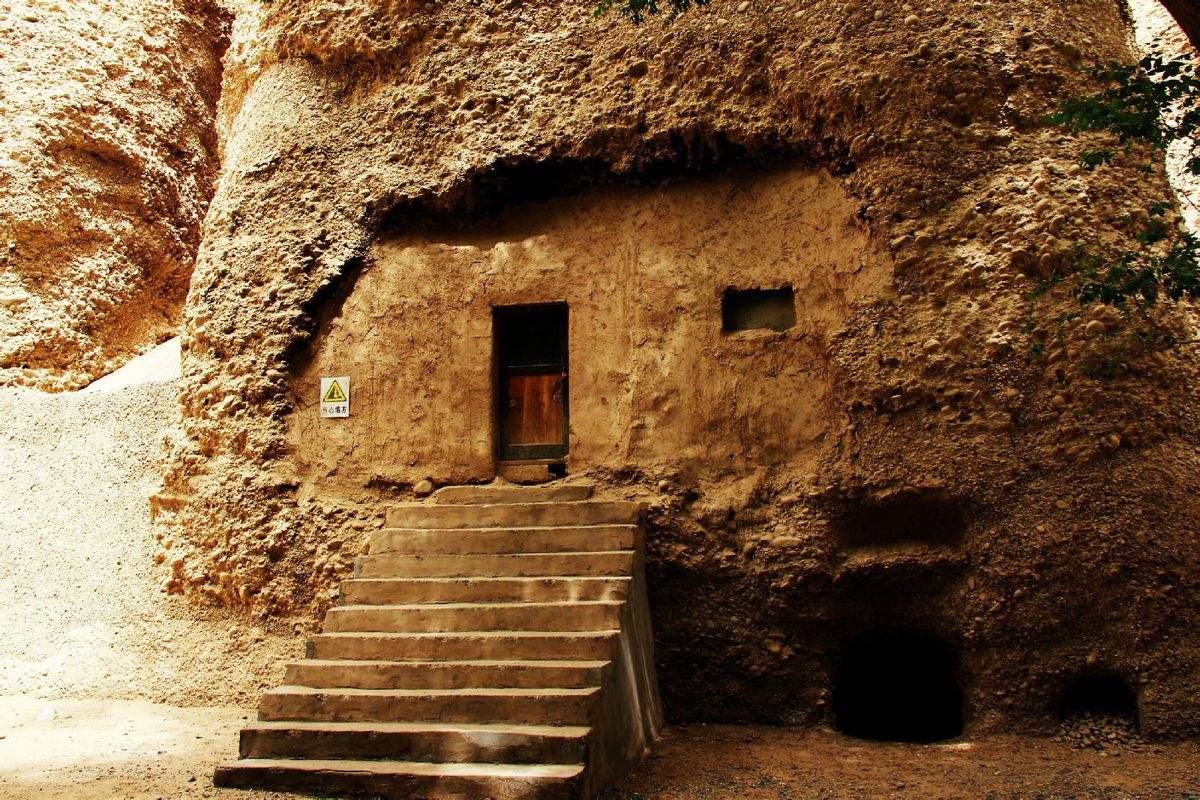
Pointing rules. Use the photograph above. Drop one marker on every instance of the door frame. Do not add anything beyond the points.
(529, 453)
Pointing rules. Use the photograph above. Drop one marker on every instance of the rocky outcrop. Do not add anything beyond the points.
(1187, 15)
(109, 156)
(973, 475)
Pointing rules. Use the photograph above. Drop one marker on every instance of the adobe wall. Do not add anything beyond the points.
(1062, 504)
(654, 383)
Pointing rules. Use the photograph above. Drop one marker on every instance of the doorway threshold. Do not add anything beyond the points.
(542, 470)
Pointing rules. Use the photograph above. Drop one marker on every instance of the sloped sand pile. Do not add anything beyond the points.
(81, 606)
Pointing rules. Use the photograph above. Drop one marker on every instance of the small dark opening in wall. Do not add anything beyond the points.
(750, 309)
(1100, 693)
(898, 686)
(928, 517)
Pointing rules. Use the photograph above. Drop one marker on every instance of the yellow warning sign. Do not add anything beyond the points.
(335, 397)
(334, 393)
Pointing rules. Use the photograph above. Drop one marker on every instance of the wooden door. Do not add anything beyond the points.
(532, 386)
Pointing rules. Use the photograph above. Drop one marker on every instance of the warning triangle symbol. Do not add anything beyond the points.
(334, 394)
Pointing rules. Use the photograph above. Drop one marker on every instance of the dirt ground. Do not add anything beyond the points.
(722, 762)
(73, 750)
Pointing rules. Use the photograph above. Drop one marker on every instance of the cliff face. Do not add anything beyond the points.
(969, 475)
(109, 156)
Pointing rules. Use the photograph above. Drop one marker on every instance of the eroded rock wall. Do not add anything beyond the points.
(976, 476)
(107, 164)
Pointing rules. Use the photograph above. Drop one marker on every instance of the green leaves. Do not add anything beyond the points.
(1093, 158)
(1155, 103)
(1145, 278)
(636, 10)
(1156, 229)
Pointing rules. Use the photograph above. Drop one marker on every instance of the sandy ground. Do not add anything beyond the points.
(89, 636)
(158, 365)
(113, 749)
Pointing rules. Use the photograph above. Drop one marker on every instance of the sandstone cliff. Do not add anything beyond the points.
(109, 156)
(1054, 508)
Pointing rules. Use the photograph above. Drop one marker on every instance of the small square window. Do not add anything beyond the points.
(750, 309)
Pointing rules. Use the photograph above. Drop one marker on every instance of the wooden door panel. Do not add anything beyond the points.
(535, 409)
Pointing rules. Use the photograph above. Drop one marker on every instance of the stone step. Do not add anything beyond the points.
(515, 515)
(404, 779)
(464, 646)
(475, 617)
(517, 706)
(400, 591)
(432, 742)
(495, 674)
(480, 495)
(578, 538)
(513, 565)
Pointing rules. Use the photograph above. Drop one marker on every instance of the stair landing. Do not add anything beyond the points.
(494, 643)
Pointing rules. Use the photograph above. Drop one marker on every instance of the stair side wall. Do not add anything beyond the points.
(630, 717)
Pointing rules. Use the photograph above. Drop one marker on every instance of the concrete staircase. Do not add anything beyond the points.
(494, 644)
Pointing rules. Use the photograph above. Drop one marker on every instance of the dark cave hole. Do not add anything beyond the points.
(932, 518)
(898, 686)
(1101, 693)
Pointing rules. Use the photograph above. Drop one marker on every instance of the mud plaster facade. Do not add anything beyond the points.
(655, 383)
(353, 126)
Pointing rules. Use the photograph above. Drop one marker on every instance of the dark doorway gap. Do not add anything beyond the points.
(898, 686)
(531, 382)
(1099, 692)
